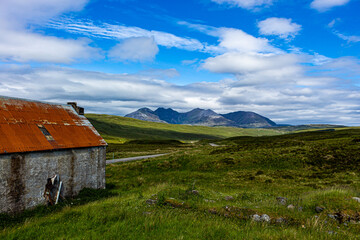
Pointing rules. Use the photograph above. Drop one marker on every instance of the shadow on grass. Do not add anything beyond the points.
(85, 196)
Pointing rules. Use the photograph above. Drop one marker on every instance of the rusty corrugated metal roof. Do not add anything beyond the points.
(22, 124)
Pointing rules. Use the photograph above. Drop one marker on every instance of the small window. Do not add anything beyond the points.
(45, 132)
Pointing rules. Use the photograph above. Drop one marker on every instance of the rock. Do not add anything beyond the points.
(300, 209)
(356, 199)
(151, 201)
(265, 218)
(147, 213)
(229, 198)
(332, 216)
(280, 220)
(319, 209)
(213, 211)
(262, 218)
(281, 200)
(195, 192)
(292, 207)
(256, 218)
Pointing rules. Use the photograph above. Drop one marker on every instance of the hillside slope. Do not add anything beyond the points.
(248, 188)
(202, 117)
(117, 129)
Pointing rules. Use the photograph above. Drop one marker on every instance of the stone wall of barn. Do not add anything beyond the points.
(23, 176)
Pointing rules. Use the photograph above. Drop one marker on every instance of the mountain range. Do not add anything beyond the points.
(203, 117)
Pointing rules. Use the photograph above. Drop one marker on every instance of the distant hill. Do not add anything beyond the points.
(203, 117)
(249, 119)
(116, 129)
(145, 114)
(307, 127)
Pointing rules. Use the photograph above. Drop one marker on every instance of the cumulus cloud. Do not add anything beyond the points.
(282, 27)
(21, 12)
(26, 46)
(325, 5)
(237, 40)
(19, 43)
(247, 4)
(239, 63)
(122, 93)
(135, 49)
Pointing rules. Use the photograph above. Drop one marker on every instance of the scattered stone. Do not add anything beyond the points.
(147, 213)
(281, 200)
(213, 211)
(256, 218)
(229, 198)
(356, 199)
(280, 220)
(265, 218)
(291, 207)
(207, 200)
(319, 209)
(151, 201)
(195, 192)
(331, 232)
(300, 209)
(332, 216)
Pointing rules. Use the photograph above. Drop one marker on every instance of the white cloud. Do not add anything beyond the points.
(21, 12)
(247, 4)
(333, 22)
(237, 40)
(21, 46)
(348, 38)
(135, 49)
(19, 43)
(325, 5)
(120, 32)
(282, 27)
(239, 63)
(287, 102)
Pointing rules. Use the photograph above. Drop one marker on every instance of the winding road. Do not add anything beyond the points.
(134, 158)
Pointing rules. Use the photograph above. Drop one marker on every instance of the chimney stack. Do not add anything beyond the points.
(79, 110)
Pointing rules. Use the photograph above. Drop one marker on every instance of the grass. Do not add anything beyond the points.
(117, 129)
(204, 192)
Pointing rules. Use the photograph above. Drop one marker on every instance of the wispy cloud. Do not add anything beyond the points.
(325, 5)
(348, 38)
(120, 32)
(247, 4)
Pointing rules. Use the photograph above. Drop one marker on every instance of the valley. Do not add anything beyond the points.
(286, 186)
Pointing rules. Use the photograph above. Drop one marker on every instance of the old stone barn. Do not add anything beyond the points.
(39, 140)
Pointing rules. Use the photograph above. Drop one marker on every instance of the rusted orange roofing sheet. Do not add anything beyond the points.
(27, 126)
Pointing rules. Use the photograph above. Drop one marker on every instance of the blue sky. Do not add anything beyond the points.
(295, 61)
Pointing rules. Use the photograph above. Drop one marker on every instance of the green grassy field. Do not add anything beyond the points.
(117, 129)
(205, 192)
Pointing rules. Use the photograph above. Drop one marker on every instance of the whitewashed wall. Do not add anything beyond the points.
(23, 176)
